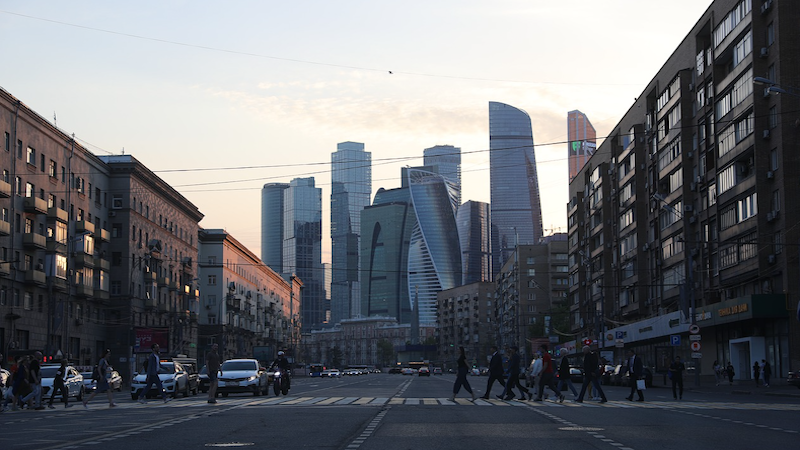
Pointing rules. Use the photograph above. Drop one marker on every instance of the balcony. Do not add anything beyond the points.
(36, 277)
(81, 290)
(102, 264)
(104, 235)
(150, 303)
(101, 296)
(5, 228)
(173, 285)
(5, 189)
(163, 281)
(59, 284)
(193, 317)
(35, 205)
(149, 277)
(83, 260)
(54, 246)
(58, 214)
(34, 241)
(82, 226)
(5, 269)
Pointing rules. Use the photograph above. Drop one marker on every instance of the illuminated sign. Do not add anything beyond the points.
(731, 310)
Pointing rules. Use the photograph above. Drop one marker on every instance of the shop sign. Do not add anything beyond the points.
(731, 310)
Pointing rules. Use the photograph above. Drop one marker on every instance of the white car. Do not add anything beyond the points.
(331, 373)
(73, 381)
(242, 375)
(173, 378)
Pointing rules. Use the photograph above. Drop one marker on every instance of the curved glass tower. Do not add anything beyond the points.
(516, 209)
(434, 254)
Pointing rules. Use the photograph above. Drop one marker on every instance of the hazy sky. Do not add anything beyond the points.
(262, 91)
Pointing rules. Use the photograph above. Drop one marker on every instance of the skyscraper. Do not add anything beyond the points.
(515, 206)
(351, 179)
(302, 246)
(447, 160)
(434, 254)
(272, 225)
(474, 234)
(582, 140)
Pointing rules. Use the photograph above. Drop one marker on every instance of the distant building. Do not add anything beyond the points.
(515, 205)
(582, 141)
(474, 234)
(272, 210)
(466, 318)
(447, 160)
(351, 187)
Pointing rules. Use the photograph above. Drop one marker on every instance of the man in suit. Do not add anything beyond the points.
(635, 370)
(591, 374)
(495, 372)
(513, 377)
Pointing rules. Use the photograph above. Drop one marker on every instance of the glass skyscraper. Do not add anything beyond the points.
(302, 247)
(515, 206)
(447, 160)
(272, 225)
(351, 186)
(473, 222)
(434, 254)
(582, 140)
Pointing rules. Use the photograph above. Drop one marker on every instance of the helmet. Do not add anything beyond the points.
(280, 353)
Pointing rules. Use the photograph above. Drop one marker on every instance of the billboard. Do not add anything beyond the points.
(146, 337)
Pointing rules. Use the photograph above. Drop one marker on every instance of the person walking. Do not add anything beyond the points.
(536, 371)
(461, 376)
(546, 378)
(676, 370)
(766, 370)
(153, 367)
(213, 366)
(756, 372)
(513, 377)
(565, 378)
(103, 374)
(59, 386)
(718, 370)
(591, 374)
(19, 383)
(635, 371)
(730, 372)
(34, 398)
(495, 372)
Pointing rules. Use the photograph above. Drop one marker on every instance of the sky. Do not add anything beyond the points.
(219, 98)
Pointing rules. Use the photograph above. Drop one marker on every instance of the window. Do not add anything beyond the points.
(671, 246)
(743, 48)
(775, 204)
(531, 260)
(748, 246)
(531, 272)
(61, 266)
(8, 144)
(53, 169)
(773, 159)
(212, 280)
(211, 300)
(730, 21)
(31, 156)
(747, 207)
(30, 190)
(770, 34)
(676, 180)
(116, 201)
(626, 219)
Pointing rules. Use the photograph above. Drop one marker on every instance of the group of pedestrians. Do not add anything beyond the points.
(25, 390)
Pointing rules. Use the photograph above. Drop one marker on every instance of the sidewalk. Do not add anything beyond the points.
(778, 387)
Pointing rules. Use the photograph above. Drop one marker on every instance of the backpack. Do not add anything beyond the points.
(96, 373)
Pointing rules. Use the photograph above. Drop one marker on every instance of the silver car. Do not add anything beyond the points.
(173, 378)
(242, 375)
(73, 381)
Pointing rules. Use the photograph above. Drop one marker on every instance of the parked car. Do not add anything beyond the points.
(794, 379)
(395, 370)
(608, 371)
(73, 381)
(194, 377)
(351, 372)
(203, 380)
(424, 372)
(242, 375)
(331, 373)
(173, 378)
(437, 371)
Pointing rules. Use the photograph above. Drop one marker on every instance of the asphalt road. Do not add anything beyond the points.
(393, 412)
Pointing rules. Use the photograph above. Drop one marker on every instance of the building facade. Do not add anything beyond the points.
(351, 188)
(473, 221)
(466, 318)
(681, 216)
(516, 208)
(447, 160)
(582, 141)
(272, 225)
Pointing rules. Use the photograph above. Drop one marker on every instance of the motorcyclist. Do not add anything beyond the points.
(283, 366)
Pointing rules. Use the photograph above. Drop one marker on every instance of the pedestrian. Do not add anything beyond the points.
(461, 376)
(546, 378)
(766, 370)
(718, 370)
(591, 375)
(153, 367)
(730, 372)
(19, 384)
(676, 370)
(635, 370)
(565, 378)
(213, 366)
(34, 399)
(536, 371)
(103, 374)
(756, 372)
(513, 377)
(59, 386)
(495, 372)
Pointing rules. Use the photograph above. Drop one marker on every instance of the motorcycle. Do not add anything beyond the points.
(281, 382)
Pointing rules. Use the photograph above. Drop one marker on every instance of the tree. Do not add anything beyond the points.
(336, 356)
(385, 352)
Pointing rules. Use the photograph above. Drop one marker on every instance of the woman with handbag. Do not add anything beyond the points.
(102, 384)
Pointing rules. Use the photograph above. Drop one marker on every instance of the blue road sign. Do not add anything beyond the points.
(620, 335)
(675, 340)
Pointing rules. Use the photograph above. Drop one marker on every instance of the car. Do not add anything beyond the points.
(202, 379)
(424, 372)
(794, 379)
(5, 378)
(351, 372)
(331, 373)
(395, 370)
(115, 382)
(194, 376)
(242, 375)
(615, 378)
(73, 381)
(173, 377)
(408, 371)
(437, 371)
(607, 372)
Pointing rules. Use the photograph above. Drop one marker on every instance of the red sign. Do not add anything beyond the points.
(146, 337)
(695, 346)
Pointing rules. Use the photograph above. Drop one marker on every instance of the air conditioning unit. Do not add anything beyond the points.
(691, 86)
(771, 259)
(693, 219)
(687, 208)
(770, 175)
(764, 52)
(698, 179)
(770, 216)
(765, 134)
(646, 247)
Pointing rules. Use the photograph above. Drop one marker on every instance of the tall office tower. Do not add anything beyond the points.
(515, 206)
(272, 225)
(474, 234)
(302, 247)
(385, 233)
(351, 177)
(434, 253)
(447, 159)
(582, 139)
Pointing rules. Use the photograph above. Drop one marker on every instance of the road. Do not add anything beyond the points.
(394, 412)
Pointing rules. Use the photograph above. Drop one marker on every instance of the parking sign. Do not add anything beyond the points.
(675, 340)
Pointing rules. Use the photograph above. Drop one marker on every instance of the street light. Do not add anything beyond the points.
(774, 88)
